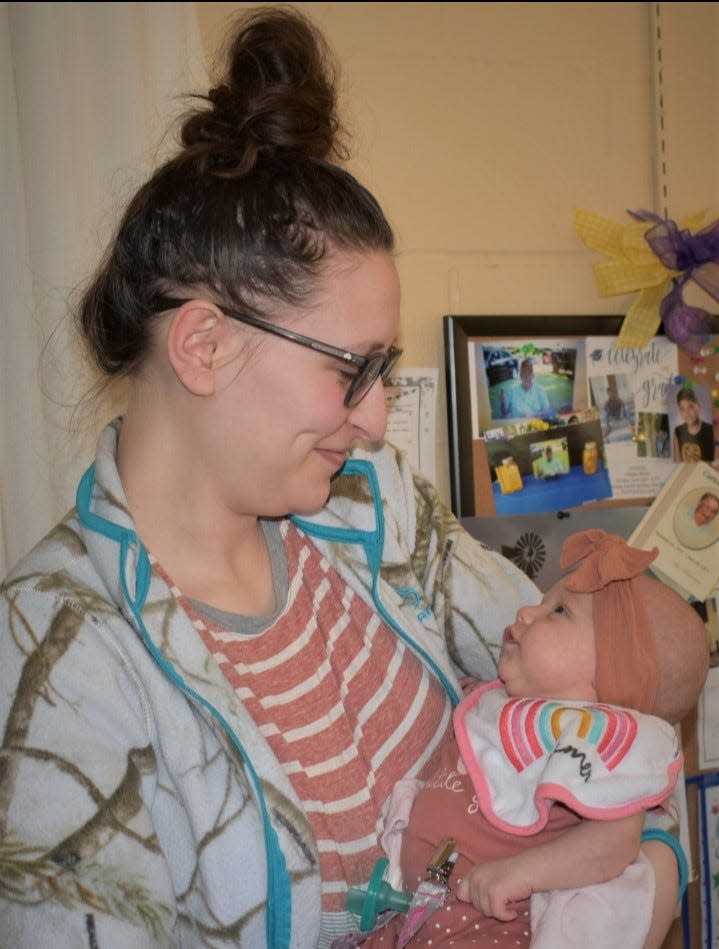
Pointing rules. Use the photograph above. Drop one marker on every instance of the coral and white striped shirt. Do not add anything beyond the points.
(347, 708)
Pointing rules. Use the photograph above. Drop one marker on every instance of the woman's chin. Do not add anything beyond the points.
(312, 503)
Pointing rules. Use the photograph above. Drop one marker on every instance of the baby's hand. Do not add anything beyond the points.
(468, 684)
(492, 888)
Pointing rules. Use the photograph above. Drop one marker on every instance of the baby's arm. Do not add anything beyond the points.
(666, 885)
(590, 852)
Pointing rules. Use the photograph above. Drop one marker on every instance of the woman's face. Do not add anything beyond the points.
(280, 426)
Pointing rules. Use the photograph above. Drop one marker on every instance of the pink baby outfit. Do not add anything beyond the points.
(447, 807)
(523, 764)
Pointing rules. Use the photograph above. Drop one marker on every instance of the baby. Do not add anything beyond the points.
(577, 730)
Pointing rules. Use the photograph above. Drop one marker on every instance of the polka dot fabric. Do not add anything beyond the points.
(447, 807)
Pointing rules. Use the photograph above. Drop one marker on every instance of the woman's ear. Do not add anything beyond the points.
(196, 339)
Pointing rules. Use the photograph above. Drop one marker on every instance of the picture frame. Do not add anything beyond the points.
(612, 399)
(467, 447)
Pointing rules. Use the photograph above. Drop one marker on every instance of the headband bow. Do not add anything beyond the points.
(627, 664)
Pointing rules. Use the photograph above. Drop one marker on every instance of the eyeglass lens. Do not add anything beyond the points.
(379, 365)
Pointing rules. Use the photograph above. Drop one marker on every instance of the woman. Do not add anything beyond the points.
(254, 621)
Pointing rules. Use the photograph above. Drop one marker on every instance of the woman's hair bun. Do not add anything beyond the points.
(277, 93)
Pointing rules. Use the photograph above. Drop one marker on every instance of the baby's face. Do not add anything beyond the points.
(549, 649)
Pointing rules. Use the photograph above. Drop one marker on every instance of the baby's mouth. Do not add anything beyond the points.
(508, 636)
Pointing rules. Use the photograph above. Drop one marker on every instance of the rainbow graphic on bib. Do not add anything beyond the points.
(531, 728)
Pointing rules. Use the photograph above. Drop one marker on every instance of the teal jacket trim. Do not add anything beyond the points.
(373, 543)
(671, 841)
(279, 892)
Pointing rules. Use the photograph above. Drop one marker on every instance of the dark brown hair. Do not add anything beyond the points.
(251, 203)
(687, 394)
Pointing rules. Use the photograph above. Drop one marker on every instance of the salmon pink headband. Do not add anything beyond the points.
(627, 664)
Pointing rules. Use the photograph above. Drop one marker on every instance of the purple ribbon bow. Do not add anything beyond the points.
(697, 257)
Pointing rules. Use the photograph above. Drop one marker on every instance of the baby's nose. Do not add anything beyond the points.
(525, 614)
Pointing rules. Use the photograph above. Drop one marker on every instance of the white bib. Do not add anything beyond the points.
(524, 754)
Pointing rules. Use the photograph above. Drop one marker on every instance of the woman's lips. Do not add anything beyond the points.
(335, 458)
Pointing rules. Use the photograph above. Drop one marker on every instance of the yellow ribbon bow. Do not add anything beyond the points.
(632, 266)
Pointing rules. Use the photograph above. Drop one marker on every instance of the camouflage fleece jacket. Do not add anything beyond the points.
(139, 804)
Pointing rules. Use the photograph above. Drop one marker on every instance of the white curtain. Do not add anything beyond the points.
(87, 91)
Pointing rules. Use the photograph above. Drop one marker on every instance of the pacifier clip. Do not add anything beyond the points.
(431, 892)
(380, 903)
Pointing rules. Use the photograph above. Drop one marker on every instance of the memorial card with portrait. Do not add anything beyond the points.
(683, 522)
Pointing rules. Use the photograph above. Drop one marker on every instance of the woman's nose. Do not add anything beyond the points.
(370, 416)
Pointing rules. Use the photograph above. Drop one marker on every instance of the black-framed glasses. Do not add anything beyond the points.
(369, 368)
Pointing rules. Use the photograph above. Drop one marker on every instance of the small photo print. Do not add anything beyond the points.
(613, 396)
(690, 422)
(539, 467)
(515, 379)
(653, 440)
(550, 458)
(708, 611)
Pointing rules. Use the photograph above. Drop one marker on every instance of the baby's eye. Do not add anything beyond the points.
(560, 608)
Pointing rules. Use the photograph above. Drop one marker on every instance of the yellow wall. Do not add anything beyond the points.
(480, 126)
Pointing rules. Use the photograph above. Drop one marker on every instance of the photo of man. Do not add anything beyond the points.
(550, 465)
(526, 398)
(548, 462)
(517, 379)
